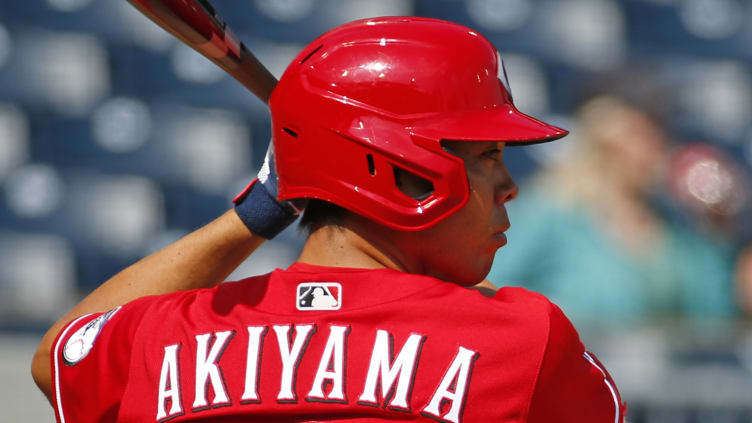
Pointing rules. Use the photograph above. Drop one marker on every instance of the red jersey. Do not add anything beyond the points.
(319, 344)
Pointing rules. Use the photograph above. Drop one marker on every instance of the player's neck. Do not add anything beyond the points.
(351, 246)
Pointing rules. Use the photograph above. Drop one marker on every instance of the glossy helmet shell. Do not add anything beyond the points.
(378, 94)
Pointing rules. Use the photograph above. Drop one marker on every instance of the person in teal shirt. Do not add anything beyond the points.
(585, 234)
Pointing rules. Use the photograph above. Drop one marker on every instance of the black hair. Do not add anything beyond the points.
(320, 213)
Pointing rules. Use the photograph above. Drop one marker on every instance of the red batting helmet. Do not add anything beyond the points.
(376, 95)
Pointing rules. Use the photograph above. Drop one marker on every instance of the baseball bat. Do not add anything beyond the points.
(197, 24)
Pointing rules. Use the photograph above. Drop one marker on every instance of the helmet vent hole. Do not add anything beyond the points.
(311, 54)
(290, 132)
(412, 185)
(371, 165)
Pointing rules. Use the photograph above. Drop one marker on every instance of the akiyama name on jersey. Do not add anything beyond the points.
(388, 381)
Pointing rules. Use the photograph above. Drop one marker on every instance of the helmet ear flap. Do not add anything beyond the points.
(412, 185)
(408, 183)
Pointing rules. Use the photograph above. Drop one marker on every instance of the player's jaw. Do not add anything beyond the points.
(461, 248)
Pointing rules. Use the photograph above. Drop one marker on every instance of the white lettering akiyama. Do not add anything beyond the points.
(388, 380)
(169, 384)
(207, 371)
(252, 368)
(333, 358)
(291, 358)
(457, 375)
(380, 372)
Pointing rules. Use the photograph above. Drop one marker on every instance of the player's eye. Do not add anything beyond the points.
(493, 154)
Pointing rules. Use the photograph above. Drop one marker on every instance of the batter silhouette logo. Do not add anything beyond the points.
(317, 296)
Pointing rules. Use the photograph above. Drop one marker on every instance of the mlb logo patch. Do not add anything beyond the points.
(313, 296)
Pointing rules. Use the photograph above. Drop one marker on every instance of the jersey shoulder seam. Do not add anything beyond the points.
(539, 369)
(131, 356)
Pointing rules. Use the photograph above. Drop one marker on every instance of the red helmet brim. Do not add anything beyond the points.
(504, 123)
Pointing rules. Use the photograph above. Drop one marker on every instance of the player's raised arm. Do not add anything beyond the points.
(201, 259)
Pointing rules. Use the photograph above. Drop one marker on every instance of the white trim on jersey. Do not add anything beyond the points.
(617, 405)
(60, 340)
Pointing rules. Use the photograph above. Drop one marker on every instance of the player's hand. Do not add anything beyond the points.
(258, 207)
(267, 175)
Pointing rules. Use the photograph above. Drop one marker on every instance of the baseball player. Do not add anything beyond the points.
(392, 132)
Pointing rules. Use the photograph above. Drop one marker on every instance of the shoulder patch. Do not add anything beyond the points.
(80, 343)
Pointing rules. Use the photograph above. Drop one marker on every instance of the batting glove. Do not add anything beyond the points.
(258, 207)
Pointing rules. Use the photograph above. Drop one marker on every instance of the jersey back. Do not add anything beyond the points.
(324, 344)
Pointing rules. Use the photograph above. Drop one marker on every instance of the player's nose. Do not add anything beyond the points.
(507, 189)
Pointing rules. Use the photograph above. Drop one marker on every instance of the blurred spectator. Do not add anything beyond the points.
(743, 279)
(713, 191)
(710, 187)
(586, 233)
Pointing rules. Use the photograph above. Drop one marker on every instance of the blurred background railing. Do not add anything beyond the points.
(115, 139)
